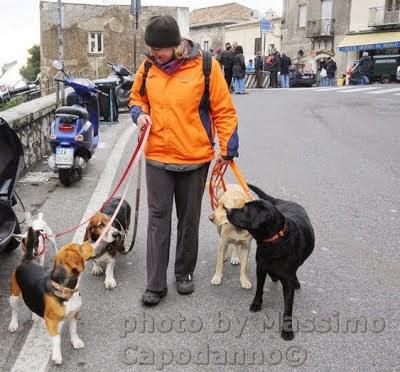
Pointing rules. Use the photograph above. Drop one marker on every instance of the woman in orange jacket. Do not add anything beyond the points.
(170, 94)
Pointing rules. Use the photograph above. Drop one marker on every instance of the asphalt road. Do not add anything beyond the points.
(337, 153)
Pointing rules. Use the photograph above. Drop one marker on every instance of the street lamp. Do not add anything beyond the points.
(135, 11)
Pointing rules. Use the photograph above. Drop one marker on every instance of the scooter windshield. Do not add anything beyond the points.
(81, 85)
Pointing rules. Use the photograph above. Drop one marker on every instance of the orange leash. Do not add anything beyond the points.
(217, 181)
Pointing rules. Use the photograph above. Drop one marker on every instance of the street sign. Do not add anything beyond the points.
(136, 7)
(265, 25)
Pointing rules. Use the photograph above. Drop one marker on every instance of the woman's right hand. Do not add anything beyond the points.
(144, 119)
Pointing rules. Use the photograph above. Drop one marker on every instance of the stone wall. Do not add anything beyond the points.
(116, 25)
(32, 120)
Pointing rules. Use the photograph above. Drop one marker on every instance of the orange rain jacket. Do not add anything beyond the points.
(182, 132)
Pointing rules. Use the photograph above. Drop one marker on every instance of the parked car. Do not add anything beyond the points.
(385, 70)
(301, 79)
(398, 74)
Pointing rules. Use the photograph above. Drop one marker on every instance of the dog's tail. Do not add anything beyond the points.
(262, 194)
(30, 243)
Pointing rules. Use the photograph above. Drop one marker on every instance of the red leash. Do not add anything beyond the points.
(217, 181)
(142, 136)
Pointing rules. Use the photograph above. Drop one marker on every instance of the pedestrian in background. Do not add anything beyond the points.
(286, 62)
(275, 68)
(239, 71)
(321, 73)
(250, 66)
(179, 147)
(226, 61)
(331, 68)
(259, 69)
(366, 66)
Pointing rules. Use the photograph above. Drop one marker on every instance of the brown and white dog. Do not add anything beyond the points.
(55, 296)
(233, 197)
(119, 231)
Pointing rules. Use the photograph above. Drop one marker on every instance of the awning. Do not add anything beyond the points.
(376, 40)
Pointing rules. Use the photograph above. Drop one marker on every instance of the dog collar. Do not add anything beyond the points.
(63, 292)
(278, 235)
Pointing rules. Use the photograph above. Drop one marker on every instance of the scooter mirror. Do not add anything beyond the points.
(58, 65)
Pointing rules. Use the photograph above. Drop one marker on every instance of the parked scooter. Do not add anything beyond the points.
(74, 134)
(125, 81)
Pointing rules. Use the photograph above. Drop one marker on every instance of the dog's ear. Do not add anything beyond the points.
(75, 261)
(19, 237)
(87, 233)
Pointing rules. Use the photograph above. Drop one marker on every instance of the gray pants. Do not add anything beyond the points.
(188, 189)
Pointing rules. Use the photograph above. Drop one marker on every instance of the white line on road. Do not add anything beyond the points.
(36, 350)
(331, 89)
(359, 89)
(384, 91)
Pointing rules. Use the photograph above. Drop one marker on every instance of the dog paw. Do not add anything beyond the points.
(235, 260)
(217, 279)
(255, 306)
(97, 270)
(110, 283)
(287, 335)
(56, 357)
(245, 282)
(13, 327)
(77, 343)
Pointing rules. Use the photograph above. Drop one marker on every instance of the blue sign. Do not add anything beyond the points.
(265, 25)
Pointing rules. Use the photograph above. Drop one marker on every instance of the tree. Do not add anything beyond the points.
(32, 67)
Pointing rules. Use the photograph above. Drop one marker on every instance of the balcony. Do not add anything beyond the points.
(321, 28)
(382, 17)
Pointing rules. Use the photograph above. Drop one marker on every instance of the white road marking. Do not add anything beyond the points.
(331, 89)
(383, 91)
(36, 177)
(359, 89)
(36, 351)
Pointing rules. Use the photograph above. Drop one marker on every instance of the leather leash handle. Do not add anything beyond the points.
(239, 177)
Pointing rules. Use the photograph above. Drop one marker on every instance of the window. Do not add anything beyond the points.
(95, 42)
(205, 46)
(302, 21)
(257, 45)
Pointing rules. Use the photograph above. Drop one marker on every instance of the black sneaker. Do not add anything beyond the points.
(152, 298)
(186, 286)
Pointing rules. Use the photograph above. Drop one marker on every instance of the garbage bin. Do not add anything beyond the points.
(108, 104)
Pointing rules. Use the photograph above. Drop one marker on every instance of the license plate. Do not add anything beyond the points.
(306, 77)
(64, 156)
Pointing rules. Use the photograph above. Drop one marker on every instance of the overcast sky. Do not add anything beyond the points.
(19, 23)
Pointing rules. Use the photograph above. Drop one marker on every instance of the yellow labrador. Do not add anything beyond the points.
(233, 197)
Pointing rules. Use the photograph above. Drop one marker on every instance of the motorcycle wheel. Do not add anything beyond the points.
(13, 243)
(66, 176)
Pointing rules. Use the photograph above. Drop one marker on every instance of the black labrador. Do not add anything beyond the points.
(285, 238)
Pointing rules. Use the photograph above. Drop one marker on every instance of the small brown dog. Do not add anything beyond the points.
(233, 197)
(54, 297)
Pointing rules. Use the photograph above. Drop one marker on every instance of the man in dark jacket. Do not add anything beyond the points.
(286, 62)
(331, 68)
(259, 66)
(366, 65)
(275, 68)
(226, 61)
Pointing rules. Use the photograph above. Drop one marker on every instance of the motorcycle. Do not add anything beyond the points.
(74, 134)
(125, 81)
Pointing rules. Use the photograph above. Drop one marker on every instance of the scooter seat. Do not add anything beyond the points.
(73, 110)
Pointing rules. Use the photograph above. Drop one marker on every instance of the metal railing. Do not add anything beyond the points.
(381, 16)
(320, 28)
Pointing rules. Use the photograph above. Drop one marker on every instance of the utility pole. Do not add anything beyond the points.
(60, 10)
(135, 11)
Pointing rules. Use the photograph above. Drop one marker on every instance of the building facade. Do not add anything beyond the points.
(374, 27)
(95, 35)
(207, 24)
(315, 27)
(250, 37)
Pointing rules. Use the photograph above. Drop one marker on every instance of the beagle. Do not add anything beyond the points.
(55, 296)
(119, 232)
(233, 197)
